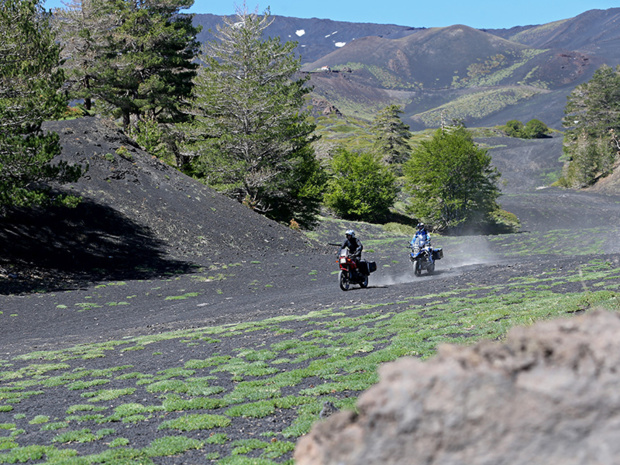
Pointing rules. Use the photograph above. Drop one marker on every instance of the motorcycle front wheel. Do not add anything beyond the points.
(343, 279)
(417, 268)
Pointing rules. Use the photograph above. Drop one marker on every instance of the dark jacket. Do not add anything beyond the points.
(354, 245)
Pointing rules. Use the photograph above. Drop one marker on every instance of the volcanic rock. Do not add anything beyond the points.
(547, 395)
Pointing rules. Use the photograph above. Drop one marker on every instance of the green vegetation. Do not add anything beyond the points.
(451, 180)
(494, 69)
(391, 136)
(478, 104)
(533, 129)
(360, 186)
(29, 84)
(134, 60)
(591, 141)
(249, 139)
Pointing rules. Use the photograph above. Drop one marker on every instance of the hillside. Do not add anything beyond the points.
(457, 71)
(161, 323)
(483, 77)
(138, 218)
(593, 32)
(315, 37)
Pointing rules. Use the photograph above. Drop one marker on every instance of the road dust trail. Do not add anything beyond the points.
(476, 250)
(473, 251)
(390, 280)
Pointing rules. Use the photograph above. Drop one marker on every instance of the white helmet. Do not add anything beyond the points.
(350, 232)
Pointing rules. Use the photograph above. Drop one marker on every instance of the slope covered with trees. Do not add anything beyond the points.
(592, 141)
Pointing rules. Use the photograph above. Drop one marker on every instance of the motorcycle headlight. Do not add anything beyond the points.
(343, 260)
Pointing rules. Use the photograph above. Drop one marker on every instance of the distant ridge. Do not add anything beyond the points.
(483, 77)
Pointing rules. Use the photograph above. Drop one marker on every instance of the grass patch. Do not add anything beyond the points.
(275, 373)
(196, 421)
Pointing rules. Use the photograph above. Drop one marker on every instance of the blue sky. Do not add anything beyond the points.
(415, 13)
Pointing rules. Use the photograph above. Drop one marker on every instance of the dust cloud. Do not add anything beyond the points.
(459, 253)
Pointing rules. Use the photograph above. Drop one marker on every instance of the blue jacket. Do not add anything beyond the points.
(423, 235)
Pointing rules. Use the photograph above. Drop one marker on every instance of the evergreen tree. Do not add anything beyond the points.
(81, 28)
(250, 139)
(29, 83)
(451, 180)
(592, 119)
(391, 135)
(361, 187)
(147, 59)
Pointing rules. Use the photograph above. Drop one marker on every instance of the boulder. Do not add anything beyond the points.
(548, 394)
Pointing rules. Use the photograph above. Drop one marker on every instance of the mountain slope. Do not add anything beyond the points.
(431, 58)
(456, 72)
(315, 37)
(595, 32)
(138, 218)
(483, 77)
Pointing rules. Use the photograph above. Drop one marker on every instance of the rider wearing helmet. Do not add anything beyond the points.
(423, 235)
(353, 244)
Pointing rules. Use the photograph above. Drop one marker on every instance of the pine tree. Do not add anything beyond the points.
(451, 180)
(250, 139)
(29, 84)
(592, 119)
(391, 135)
(143, 57)
(81, 28)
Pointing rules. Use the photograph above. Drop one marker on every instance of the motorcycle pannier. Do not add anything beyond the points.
(437, 253)
(367, 267)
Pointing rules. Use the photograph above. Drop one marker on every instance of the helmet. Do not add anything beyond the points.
(350, 232)
(420, 226)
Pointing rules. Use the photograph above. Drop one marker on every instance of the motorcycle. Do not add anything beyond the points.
(423, 256)
(353, 272)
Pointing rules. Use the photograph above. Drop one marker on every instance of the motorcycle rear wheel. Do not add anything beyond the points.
(364, 283)
(431, 269)
(343, 280)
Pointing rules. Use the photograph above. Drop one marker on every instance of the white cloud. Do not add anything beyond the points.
(300, 32)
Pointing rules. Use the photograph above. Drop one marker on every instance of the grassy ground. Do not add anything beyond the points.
(244, 393)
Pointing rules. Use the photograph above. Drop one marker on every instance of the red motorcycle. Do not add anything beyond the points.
(352, 271)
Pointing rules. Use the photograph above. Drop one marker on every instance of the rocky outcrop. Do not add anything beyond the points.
(547, 395)
(324, 107)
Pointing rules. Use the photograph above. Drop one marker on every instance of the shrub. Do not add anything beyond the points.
(536, 129)
(361, 187)
(514, 128)
(502, 221)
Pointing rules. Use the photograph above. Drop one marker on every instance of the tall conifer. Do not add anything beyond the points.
(29, 84)
(250, 138)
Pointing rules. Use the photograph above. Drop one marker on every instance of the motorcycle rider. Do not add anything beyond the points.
(423, 235)
(353, 244)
